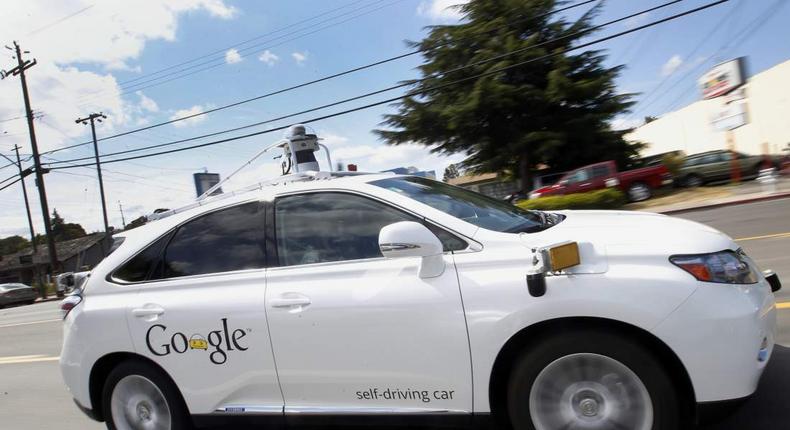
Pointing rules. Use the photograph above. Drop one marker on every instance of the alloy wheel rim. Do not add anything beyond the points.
(639, 192)
(138, 404)
(589, 391)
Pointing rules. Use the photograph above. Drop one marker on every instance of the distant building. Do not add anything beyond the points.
(73, 254)
(430, 174)
(757, 113)
(490, 184)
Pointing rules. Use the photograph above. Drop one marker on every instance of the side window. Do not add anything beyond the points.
(138, 268)
(222, 241)
(324, 227)
(580, 175)
(600, 171)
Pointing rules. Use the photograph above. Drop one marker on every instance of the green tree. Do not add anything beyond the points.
(12, 244)
(137, 222)
(62, 230)
(451, 172)
(555, 110)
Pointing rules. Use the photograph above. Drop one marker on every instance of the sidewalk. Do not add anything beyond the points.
(713, 196)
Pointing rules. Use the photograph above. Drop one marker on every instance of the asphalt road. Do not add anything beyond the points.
(32, 394)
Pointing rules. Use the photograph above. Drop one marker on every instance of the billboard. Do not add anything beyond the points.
(722, 79)
(730, 117)
(204, 181)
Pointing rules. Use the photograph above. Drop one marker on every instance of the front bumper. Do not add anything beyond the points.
(724, 335)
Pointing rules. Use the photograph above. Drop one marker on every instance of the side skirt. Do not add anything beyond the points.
(362, 421)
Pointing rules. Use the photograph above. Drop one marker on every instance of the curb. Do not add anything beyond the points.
(49, 299)
(731, 203)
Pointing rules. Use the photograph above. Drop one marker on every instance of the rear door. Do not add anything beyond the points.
(353, 332)
(199, 312)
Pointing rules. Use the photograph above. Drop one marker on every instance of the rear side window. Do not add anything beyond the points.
(138, 268)
(599, 171)
(221, 241)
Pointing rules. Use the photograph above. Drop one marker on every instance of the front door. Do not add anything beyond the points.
(199, 312)
(354, 332)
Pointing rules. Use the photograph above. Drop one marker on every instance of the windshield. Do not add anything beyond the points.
(472, 207)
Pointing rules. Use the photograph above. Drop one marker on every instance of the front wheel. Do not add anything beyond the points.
(139, 396)
(591, 380)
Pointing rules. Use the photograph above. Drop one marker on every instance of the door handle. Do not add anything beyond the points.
(585, 184)
(290, 301)
(151, 311)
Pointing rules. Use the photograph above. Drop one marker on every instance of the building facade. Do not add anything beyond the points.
(74, 254)
(757, 115)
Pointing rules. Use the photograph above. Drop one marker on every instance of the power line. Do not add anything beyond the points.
(150, 83)
(416, 92)
(58, 21)
(345, 73)
(223, 50)
(325, 78)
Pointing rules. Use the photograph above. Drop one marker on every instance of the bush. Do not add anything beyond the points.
(599, 199)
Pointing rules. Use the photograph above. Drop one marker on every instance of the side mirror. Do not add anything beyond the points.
(412, 239)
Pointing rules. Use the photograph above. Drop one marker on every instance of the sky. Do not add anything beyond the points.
(149, 61)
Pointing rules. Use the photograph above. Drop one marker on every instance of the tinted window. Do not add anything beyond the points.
(322, 227)
(221, 241)
(138, 268)
(474, 208)
(598, 171)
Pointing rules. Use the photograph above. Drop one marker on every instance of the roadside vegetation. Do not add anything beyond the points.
(600, 199)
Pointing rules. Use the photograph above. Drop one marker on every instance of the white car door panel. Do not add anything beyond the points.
(353, 332)
(369, 334)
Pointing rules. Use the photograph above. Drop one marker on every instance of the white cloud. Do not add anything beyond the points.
(672, 65)
(441, 10)
(269, 58)
(196, 109)
(232, 56)
(636, 21)
(147, 103)
(299, 57)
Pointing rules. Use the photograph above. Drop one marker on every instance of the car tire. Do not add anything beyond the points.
(639, 191)
(576, 379)
(693, 181)
(138, 395)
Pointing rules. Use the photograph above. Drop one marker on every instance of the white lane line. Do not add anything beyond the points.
(30, 323)
(19, 359)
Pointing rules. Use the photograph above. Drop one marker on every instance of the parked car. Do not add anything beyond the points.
(638, 184)
(16, 293)
(698, 169)
(329, 296)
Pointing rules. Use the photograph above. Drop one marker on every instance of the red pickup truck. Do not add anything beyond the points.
(638, 184)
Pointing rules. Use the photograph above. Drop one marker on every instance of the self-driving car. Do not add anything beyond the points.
(326, 297)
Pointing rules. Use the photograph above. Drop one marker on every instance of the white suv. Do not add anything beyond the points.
(397, 298)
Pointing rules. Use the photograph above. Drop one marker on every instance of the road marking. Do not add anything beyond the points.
(783, 305)
(29, 323)
(19, 359)
(767, 236)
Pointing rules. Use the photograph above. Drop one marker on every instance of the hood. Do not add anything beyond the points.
(603, 235)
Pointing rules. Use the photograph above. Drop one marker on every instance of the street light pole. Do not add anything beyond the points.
(92, 118)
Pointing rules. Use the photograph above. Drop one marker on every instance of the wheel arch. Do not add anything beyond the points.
(102, 368)
(535, 332)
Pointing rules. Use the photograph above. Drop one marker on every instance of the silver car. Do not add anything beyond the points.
(16, 293)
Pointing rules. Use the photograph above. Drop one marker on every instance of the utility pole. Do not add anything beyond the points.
(23, 65)
(123, 220)
(92, 118)
(22, 174)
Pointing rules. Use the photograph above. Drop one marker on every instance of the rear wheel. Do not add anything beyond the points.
(591, 380)
(639, 191)
(693, 181)
(139, 396)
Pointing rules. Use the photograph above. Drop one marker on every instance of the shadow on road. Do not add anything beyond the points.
(768, 407)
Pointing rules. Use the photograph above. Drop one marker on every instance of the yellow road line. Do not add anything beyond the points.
(19, 359)
(767, 236)
(29, 323)
(783, 305)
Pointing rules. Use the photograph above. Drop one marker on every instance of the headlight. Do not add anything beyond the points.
(726, 267)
